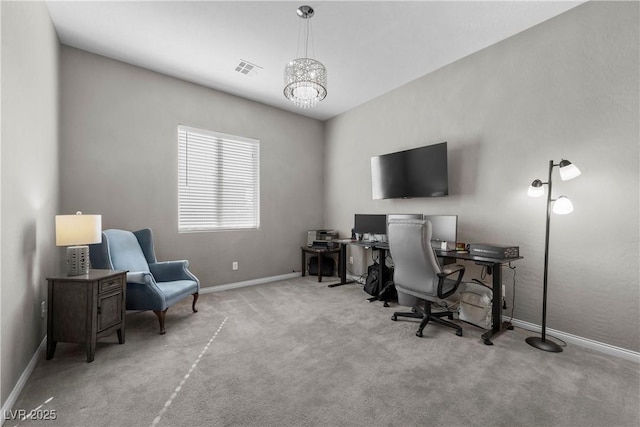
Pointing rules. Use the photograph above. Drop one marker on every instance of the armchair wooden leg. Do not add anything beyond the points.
(193, 306)
(161, 315)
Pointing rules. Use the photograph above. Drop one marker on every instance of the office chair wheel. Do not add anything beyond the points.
(419, 334)
(459, 332)
(394, 317)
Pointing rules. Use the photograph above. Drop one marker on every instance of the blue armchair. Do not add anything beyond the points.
(151, 285)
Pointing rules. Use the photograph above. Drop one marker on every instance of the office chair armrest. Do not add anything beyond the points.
(443, 280)
(450, 269)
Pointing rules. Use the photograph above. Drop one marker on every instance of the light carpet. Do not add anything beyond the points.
(297, 353)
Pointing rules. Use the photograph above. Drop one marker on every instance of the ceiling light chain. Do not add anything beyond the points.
(305, 78)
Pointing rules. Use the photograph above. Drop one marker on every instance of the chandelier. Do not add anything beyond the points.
(305, 78)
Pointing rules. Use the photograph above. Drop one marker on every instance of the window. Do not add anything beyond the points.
(219, 177)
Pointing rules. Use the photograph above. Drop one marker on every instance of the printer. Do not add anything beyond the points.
(322, 238)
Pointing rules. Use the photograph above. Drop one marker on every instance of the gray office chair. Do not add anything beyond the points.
(417, 272)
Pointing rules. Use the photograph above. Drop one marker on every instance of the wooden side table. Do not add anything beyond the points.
(84, 308)
(320, 252)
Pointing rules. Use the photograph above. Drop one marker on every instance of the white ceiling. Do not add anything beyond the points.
(368, 47)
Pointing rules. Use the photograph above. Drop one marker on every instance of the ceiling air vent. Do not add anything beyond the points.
(247, 68)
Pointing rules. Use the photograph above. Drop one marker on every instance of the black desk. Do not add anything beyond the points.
(381, 247)
(495, 269)
(493, 264)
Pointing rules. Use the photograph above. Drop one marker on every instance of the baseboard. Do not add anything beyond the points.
(15, 393)
(236, 285)
(580, 341)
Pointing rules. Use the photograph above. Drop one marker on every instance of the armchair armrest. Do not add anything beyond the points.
(169, 271)
(142, 277)
(451, 284)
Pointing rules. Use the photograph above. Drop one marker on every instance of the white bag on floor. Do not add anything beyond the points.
(475, 304)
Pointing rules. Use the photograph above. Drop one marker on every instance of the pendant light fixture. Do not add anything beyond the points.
(305, 78)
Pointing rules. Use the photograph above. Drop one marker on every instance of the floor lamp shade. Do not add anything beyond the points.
(568, 170)
(76, 232)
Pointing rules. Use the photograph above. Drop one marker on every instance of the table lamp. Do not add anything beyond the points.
(76, 232)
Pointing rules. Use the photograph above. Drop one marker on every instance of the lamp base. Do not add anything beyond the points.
(77, 260)
(545, 345)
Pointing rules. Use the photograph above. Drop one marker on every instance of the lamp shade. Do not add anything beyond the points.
(562, 206)
(568, 170)
(305, 78)
(306, 82)
(78, 229)
(535, 189)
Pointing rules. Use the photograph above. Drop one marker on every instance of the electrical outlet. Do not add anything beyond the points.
(43, 309)
(351, 260)
(234, 265)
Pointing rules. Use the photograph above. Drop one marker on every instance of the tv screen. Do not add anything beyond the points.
(418, 172)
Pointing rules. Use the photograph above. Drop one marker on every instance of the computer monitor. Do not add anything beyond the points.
(370, 224)
(444, 228)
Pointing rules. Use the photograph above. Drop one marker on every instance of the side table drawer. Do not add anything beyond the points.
(111, 284)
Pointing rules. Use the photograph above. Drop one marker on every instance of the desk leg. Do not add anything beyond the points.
(383, 261)
(320, 266)
(342, 267)
(498, 326)
(304, 259)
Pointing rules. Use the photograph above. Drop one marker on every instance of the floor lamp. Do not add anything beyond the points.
(562, 205)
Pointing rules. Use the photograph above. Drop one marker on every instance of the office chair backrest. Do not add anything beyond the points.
(415, 263)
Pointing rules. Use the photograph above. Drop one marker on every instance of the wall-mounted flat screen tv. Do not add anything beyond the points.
(418, 172)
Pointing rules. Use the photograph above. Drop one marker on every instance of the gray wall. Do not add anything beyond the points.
(119, 159)
(567, 88)
(29, 177)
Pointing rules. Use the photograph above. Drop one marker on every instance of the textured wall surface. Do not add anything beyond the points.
(119, 159)
(567, 88)
(29, 180)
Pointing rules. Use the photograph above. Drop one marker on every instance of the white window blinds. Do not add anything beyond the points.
(219, 181)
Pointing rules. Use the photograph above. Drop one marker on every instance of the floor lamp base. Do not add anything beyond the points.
(545, 345)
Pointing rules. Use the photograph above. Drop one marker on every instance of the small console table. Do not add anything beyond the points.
(86, 307)
(320, 252)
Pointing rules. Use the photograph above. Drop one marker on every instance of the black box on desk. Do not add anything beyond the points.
(494, 251)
